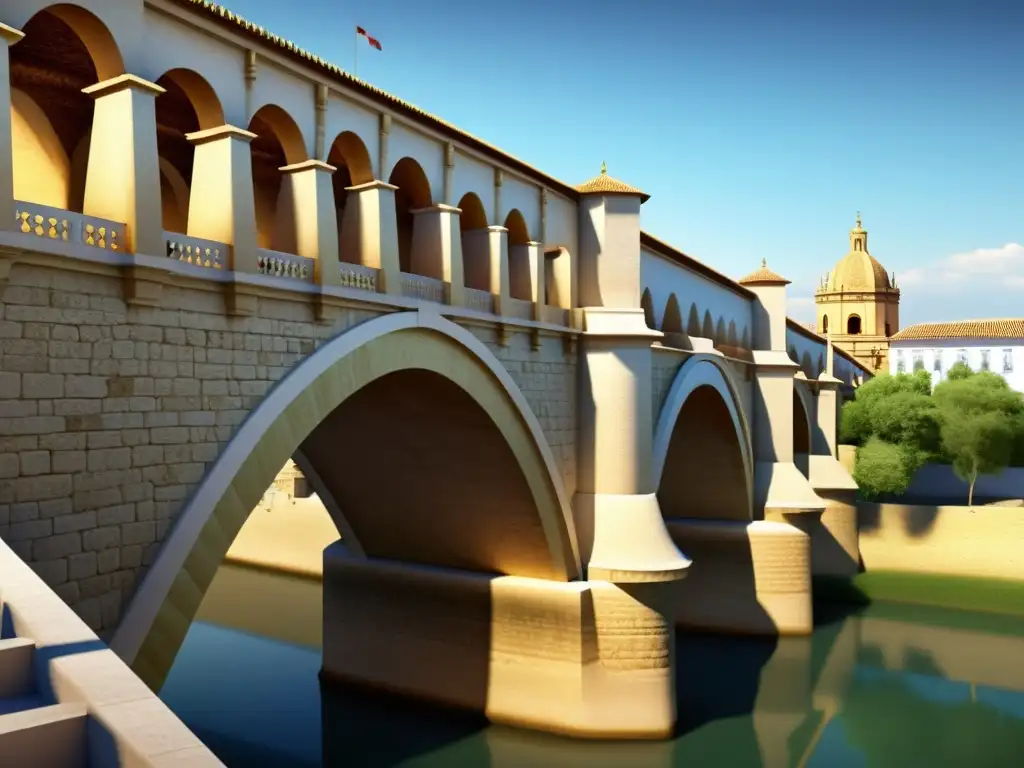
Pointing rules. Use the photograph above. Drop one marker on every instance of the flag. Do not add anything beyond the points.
(374, 42)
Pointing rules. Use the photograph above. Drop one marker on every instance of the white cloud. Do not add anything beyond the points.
(993, 269)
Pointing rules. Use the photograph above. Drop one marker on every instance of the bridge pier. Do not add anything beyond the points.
(586, 659)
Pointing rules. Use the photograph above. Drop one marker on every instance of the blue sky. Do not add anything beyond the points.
(759, 127)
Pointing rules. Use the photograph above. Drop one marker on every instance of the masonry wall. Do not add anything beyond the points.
(110, 415)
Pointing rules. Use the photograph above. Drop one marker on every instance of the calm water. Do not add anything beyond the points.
(890, 686)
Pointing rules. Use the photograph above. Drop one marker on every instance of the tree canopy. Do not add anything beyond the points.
(973, 421)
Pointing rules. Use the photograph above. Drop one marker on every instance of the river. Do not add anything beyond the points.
(893, 686)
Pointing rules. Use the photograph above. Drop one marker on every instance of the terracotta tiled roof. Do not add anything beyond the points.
(1012, 328)
(603, 184)
(763, 276)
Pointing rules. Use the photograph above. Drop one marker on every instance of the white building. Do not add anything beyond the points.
(985, 345)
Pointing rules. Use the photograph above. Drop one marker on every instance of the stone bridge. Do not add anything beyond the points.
(219, 252)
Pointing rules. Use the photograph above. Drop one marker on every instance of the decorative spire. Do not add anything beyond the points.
(604, 168)
(764, 263)
(858, 220)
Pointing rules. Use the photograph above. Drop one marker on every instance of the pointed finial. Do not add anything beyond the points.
(764, 263)
(858, 219)
(604, 168)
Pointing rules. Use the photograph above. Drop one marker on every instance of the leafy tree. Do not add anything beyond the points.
(884, 467)
(868, 414)
(959, 372)
(980, 419)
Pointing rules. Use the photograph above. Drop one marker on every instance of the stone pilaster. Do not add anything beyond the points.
(123, 178)
(316, 218)
(8, 37)
(437, 248)
(370, 226)
(497, 252)
(616, 493)
(221, 205)
(835, 543)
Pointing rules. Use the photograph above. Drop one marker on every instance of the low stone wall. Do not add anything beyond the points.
(79, 683)
(285, 534)
(978, 541)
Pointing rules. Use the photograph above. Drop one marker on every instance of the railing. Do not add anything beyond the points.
(277, 264)
(194, 250)
(518, 308)
(481, 301)
(420, 287)
(358, 276)
(66, 226)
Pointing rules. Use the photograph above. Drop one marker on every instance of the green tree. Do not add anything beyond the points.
(959, 372)
(883, 467)
(868, 414)
(980, 419)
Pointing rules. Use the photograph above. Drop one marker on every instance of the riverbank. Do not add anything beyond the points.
(287, 535)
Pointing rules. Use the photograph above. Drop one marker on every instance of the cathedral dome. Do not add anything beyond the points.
(858, 270)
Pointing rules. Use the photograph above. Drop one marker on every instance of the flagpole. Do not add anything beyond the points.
(355, 54)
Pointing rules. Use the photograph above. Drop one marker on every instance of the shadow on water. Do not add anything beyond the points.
(873, 686)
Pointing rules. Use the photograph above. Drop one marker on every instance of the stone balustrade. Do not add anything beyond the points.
(277, 264)
(208, 254)
(420, 287)
(57, 224)
(358, 276)
(478, 300)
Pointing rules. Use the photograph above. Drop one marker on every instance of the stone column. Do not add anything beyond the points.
(437, 248)
(123, 178)
(316, 218)
(535, 255)
(221, 205)
(497, 251)
(370, 225)
(835, 544)
(8, 37)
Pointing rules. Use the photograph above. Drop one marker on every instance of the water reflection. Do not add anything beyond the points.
(889, 686)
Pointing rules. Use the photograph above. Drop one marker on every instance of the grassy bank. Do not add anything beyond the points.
(997, 596)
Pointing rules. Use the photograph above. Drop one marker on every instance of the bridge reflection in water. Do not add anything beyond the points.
(888, 686)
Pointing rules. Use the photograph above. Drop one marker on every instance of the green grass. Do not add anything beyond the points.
(968, 593)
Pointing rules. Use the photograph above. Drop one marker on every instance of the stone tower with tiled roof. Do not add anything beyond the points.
(858, 304)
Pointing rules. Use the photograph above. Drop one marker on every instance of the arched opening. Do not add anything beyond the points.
(188, 104)
(853, 325)
(801, 433)
(413, 193)
(647, 305)
(672, 322)
(707, 328)
(824, 323)
(278, 144)
(520, 279)
(366, 411)
(476, 251)
(558, 277)
(704, 475)
(65, 49)
(351, 160)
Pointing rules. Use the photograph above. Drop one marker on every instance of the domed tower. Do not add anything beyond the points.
(859, 304)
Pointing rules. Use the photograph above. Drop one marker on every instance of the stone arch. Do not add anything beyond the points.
(350, 159)
(94, 35)
(519, 277)
(476, 254)
(278, 144)
(174, 197)
(720, 332)
(745, 339)
(42, 168)
(703, 457)
(824, 323)
(558, 277)
(66, 49)
(853, 325)
(731, 337)
(510, 515)
(693, 321)
(647, 305)
(188, 105)
(413, 194)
